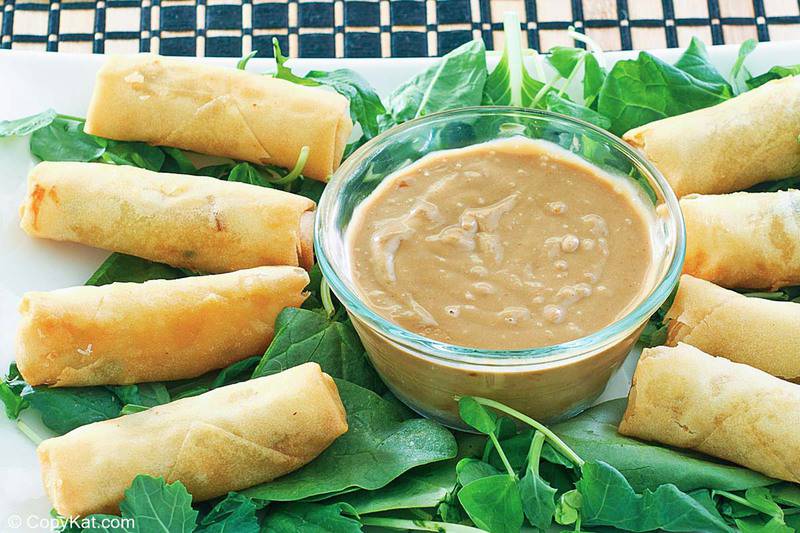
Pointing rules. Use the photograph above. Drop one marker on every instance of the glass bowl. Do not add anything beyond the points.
(549, 383)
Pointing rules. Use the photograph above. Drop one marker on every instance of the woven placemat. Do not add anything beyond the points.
(379, 28)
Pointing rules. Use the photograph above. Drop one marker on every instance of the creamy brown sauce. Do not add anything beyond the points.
(510, 244)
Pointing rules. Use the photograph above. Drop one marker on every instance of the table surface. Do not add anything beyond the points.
(379, 28)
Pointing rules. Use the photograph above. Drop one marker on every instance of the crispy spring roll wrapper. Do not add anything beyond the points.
(730, 146)
(757, 332)
(224, 440)
(743, 240)
(159, 330)
(219, 111)
(194, 222)
(689, 399)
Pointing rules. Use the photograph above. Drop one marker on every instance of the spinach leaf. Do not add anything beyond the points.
(607, 499)
(646, 89)
(121, 267)
(510, 83)
(477, 416)
(175, 161)
(567, 61)
(774, 73)
(493, 503)
(235, 514)
(378, 448)
(64, 140)
(759, 525)
(26, 125)
(238, 371)
(11, 387)
(695, 62)
(64, 409)
(538, 499)
(559, 104)
(143, 394)
(302, 336)
(248, 173)
(593, 435)
(469, 469)
(312, 518)
(135, 154)
(457, 80)
(739, 73)
(786, 494)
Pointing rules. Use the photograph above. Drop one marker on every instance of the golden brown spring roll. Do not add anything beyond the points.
(224, 440)
(728, 147)
(757, 332)
(159, 330)
(743, 240)
(194, 222)
(686, 398)
(219, 111)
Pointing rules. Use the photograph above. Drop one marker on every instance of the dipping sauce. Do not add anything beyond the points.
(504, 245)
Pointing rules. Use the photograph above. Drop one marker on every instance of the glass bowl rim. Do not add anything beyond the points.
(536, 356)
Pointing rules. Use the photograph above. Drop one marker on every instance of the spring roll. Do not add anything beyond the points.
(160, 330)
(224, 440)
(728, 147)
(685, 398)
(761, 333)
(219, 111)
(743, 240)
(194, 222)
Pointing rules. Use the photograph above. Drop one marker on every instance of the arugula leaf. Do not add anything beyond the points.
(25, 125)
(64, 409)
(302, 336)
(121, 267)
(639, 91)
(593, 435)
(696, 62)
(493, 503)
(739, 73)
(378, 448)
(421, 487)
(457, 80)
(607, 499)
(312, 518)
(64, 140)
(235, 514)
(11, 388)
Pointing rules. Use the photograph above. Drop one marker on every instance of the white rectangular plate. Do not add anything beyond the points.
(32, 82)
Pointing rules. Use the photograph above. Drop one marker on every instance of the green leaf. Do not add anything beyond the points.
(378, 448)
(312, 518)
(607, 499)
(510, 83)
(242, 63)
(469, 469)
(696, 62)
(143, 394)
(568, 508)
(456, 80)
(64, 140)
(121, 267)
(558, 104)
(235, 514)
(646, 89)
(135, 154)
(493, 503)
(739, 73)
(761, 499)
(423, 487)
(248, 173)
(786, 494)
(538, 499)
(593, 78)
(593, 435)
(177, 162)
(774, 73)
(238, 371)
(26, 125)
(158, 506)
(302, 336)
(11, 388)
(477, 416)
(759, 525)
(63, 409)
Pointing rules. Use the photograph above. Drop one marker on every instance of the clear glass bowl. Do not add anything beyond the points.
(548, 383)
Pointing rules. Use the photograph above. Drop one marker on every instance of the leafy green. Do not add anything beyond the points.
(695, 62)
(457, 80)
(250, 174)
(64, 409)
(26, 125)
(559, 104)
(378, 448)
(739, 73)
(607, 499)
(143, 394)
(493, 503)
(235, 514)
(64, 140)
(774, 73)
(11, 387)
(135, 154)
(312, 518)
(538, 499)
(469, 469)
(645, 89)
(510, 83)
(477, 416)
(302, 336)
(120, 267)
(593, 435)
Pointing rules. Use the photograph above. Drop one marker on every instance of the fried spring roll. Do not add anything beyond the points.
(160, 330)
(224, 440)
(219, 111)
(743, 240)
(194, 222)
(728, 147)
(761, 333)
(686, 398)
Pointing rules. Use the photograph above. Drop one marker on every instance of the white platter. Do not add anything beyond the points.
(32, 82)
